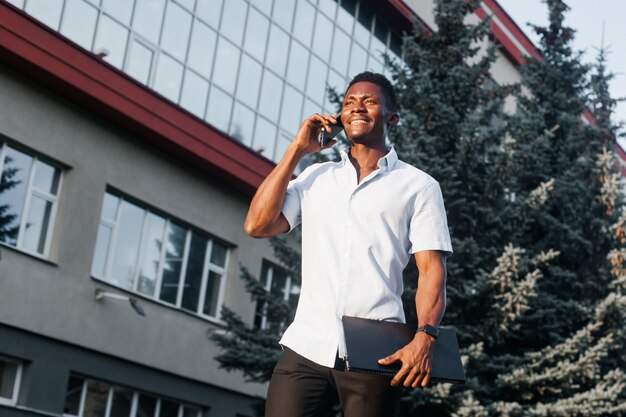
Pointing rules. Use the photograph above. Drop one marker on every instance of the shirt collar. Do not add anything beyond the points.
(385, 163)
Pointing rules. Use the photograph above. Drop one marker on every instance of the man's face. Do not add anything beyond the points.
(364, 114)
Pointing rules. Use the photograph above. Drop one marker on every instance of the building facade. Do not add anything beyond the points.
(132, 136)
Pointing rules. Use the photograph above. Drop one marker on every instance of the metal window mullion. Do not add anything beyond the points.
(107, 412)
(187, 51)
(183, 268)
(157, 409)
(16, 384)
(83, 398)
(26, 208)
(96, 27)
(53, 215)
(287, 288)
(134, 404)
(157, 289)
(205, 277)
(268, 287)
(222, 289)
(140, 251)
(113, 242)
(62, 15)
(2, 155)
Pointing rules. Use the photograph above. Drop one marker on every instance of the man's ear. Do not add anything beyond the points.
(394, 118)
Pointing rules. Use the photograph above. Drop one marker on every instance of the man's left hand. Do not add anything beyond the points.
(416, 358)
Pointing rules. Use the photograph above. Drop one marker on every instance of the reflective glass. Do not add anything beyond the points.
(379, 40)
(127, 245)
(168, 409)
(316, 82)
(79, 22)
(187, 4)
(218, 254)
(194, 95)
(323, 37)
(47, 12)
(150, 253)
(17, 3)
(358, 60)
(101, 252)
(139, 62)
(202, 49)
(283, 13)
(212, 294)
(303, 26)
(233, 19)
(210, 11)
(119, 9)
(277, 48)
(249, 81)
(363, 27)
(395, 44)
(46, 178)
(284, 140)
(219, 109)
(13, 187)
(146, 406)
(329, 7)
(37, 223)
(109, 207)
(96, 400)
(72, 395)
(148, 17)
(226, 62)
(242, 125)
(256, 34)
(111, 36)
(264, 137)
(338, 84)
(169, 74)
(263, 5)
(176, 28)
(291, 110)
(271, 92)
(193, 274)
(375, 65)
(341, 49)
(345, 15)
(190, 411)
(121, 402)
(310, 108)
(298, 64)
(173, 262)
(8, 375)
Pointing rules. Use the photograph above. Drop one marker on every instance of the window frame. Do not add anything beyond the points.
(16, 384)
(269, 267)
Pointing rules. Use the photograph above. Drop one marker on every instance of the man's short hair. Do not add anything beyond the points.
(381, 81)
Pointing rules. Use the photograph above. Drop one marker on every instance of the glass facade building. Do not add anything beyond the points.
(252, 68)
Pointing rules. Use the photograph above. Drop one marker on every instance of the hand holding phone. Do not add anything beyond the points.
(324, 137)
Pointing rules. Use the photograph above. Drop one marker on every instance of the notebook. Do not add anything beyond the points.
(369, 340)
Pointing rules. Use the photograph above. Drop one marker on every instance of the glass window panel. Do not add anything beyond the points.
(375, 65)
(139, 62)
(271, 91)
(148, 18)
(263, 5)
(218, 254)
(212, 294)
(109, 206)
(379, 40)
(277, 48)
(17, 3)
(172, 266)
(194, 95)
(146, 406)
(329, 7)
(190, 411)
(341, 48)
(310, 108)
(79, 22)
(249, 81)
(264, 137)
(256, 34)
(119, 9)
(294, 294)
(283, 142)
(323, 36)
(112, 36)
(47, 12)
(303, 26)
(127, 245)
(13, 186)
(176, 28)
(316, 82)
(193, 275)
(46, 178)
(292, 110)
(242, 125)
(233, 18)
(226, 62)
(279, 280)
(210, 11)
(96, 400)
(168, 408)
(37, 223)
(363, 28)
(395, 44)
(283, 13)
(169, 75)
(8, 376)
(219, 109)
(338, 83)
(358, 60)
(345, 15)
(150, 253)
(298, 65)
(101, 252)
(73, 395)
(202, 49)
(187, 4)
(121, 402)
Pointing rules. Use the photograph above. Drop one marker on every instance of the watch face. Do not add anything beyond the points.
(429, 330)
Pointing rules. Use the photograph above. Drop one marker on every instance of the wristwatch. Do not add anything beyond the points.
(429, 330)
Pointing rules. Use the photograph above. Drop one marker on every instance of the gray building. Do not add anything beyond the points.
(132, 136)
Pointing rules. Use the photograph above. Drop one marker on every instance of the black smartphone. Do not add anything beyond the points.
(325, 137)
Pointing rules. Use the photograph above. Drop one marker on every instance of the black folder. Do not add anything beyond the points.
(369, 340)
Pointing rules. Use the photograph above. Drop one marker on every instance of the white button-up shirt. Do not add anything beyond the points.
(356, 241)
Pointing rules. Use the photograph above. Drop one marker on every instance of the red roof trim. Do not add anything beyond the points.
(41, 53)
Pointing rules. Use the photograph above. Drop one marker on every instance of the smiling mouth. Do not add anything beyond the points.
(358, 121)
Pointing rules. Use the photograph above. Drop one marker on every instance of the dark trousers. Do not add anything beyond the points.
(302, 388)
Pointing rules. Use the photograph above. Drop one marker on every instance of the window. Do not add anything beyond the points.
(146, 253)
(10, 375)
(86, 397)
(29, 190)
(278, 282)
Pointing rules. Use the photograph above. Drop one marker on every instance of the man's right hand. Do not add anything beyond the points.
(306, 138)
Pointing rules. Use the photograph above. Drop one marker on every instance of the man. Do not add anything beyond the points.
(361, 219)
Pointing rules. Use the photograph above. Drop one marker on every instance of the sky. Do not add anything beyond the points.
(587, 17)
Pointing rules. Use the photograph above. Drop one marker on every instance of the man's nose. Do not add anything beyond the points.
(358, 107)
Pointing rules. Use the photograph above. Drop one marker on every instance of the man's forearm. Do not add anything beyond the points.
(430, 299)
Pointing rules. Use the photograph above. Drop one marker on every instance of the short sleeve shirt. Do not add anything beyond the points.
(356, 241)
